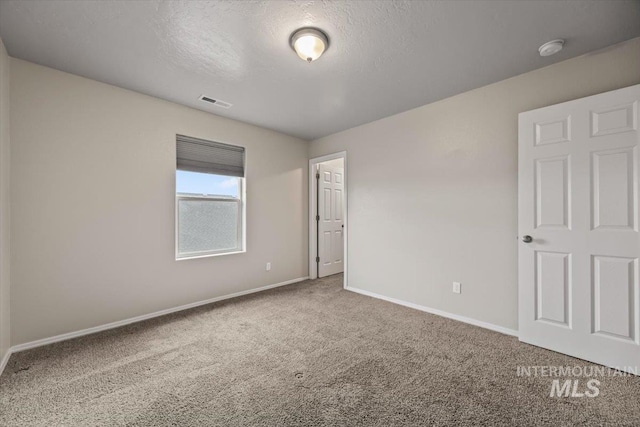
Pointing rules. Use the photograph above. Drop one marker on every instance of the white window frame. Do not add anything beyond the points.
(240, 200)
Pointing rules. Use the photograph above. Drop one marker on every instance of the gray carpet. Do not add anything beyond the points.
(310, 354)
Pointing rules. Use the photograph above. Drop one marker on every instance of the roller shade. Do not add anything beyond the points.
(200, 155)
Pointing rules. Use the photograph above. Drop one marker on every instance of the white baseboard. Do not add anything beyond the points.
(70, 335)
(112, 325)
(437, 312)
(5, 360)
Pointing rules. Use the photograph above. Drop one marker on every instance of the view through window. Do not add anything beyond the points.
(209, 209)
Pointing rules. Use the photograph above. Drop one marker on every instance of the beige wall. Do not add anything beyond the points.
(433, 191)
(93, 173)
(4, 203)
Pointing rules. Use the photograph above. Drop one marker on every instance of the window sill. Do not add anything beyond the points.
(183, 258)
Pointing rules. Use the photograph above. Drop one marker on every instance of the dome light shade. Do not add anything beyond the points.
(309, 43)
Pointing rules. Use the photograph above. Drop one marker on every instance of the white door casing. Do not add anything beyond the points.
(331, 223)
(578, 200)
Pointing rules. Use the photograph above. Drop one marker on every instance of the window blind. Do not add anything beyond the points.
(200, 155)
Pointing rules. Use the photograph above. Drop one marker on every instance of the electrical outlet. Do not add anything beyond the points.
(268, 266)
(457, 288)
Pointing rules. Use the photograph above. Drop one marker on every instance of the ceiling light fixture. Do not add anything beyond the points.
(550, 48)
(309, 43)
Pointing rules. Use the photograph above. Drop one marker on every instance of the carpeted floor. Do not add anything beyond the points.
(310, 354)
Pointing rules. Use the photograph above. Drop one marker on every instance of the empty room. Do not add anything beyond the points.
(319, 213)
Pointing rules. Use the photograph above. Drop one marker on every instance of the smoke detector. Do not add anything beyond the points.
(216, 102)
(551, 48)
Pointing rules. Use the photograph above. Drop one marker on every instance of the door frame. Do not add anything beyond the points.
(313, 244)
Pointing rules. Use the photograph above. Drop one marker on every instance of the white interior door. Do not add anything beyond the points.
(578, 201)
(331, 221)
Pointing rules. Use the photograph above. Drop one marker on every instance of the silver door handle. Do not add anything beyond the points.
(527, 239)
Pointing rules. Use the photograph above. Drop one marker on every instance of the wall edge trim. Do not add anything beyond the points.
(136, 319)
(5, 360)
(441, 313)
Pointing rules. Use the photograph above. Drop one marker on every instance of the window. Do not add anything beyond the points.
(209, 198)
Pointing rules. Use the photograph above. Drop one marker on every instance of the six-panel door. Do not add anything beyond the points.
(330, 227)
(578, 200)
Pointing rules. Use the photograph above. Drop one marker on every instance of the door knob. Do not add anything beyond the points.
(527, 239)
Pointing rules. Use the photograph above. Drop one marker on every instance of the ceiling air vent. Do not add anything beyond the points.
(216, 102)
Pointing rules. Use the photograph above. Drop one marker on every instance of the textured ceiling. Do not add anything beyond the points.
(385, 57)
